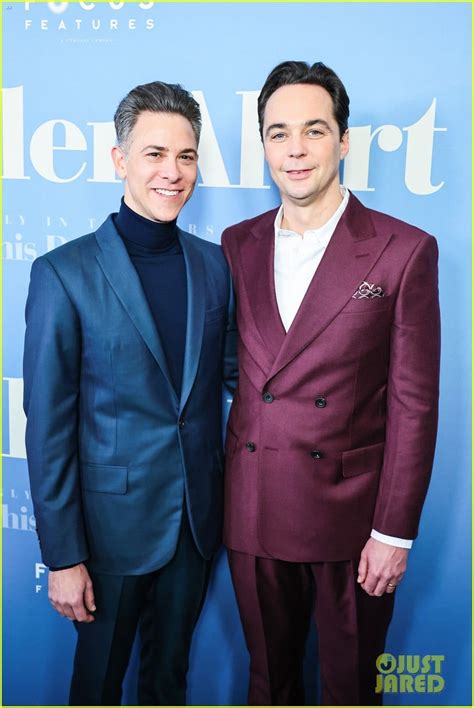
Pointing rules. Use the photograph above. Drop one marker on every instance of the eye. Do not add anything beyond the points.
(153, 154)
(315, 133)
(277, 136)
(187, 157)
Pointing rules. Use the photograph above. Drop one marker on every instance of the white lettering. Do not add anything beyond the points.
(103, 140)
(13, 138)
(53, 241)
(58, 7)
(213, 173)
(420, 153)
(40, 569)
(42, 148)
(17, 521)
(16, 419)
(356, 164)
(252, 160)
(211, 164)
(18, 251)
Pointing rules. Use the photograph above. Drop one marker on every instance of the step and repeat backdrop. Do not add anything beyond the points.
(406, 68)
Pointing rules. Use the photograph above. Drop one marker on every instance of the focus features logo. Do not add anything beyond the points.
(410, 673)
(58, 19)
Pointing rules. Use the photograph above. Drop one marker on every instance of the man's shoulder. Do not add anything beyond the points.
(258, 226)
(386, 224)
(78, 249)
(258, 223)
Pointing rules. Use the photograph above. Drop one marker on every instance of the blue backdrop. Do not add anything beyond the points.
(406, 68)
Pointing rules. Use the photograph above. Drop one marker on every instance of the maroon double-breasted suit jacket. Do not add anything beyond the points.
(332, 428)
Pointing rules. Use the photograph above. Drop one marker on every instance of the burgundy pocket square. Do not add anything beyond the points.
(367, 290)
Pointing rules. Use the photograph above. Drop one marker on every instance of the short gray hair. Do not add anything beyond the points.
(156, 97)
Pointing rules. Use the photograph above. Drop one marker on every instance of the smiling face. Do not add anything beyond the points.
(159, 165)
(302, 144)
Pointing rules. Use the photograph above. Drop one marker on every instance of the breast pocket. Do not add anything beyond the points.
(370, 304)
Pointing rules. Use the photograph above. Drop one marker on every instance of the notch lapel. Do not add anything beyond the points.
(196, 283)
(123, 279)
(351, 254)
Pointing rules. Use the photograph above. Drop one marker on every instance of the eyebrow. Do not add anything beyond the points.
(306, 124)
(162, 148)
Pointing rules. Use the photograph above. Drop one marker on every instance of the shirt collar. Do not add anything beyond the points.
(326, 229)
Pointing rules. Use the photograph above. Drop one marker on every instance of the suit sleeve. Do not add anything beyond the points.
(231, 372)
(51, 373)
(412, 396)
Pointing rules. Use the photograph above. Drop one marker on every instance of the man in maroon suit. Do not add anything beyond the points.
(332, 431)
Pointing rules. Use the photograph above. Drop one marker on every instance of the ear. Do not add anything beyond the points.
(118, 158)
(344, 149)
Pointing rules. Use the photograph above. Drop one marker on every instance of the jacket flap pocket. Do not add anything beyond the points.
(362, 460)
(104, 478)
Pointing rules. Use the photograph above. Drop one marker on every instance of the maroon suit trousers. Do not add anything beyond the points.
(276, 599)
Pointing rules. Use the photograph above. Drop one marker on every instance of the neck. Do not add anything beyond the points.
(302, 217)
(147, 234)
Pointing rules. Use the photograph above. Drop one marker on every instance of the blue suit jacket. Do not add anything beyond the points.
(111, 450)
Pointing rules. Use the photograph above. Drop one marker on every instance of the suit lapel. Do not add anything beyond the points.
(349, 257)
(196, 280)
(123, 278)
(257, 265)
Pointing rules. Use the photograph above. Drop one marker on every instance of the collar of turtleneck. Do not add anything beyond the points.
(143, 234)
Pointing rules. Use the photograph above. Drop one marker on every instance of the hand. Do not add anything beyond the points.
(71, 594)
(381, 567)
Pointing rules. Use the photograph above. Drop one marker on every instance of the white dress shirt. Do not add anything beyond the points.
(297, 258)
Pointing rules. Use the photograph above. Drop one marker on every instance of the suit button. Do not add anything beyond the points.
(316, 454)
(250, 446)
(320, 403)
(181, 422)
(267, 397)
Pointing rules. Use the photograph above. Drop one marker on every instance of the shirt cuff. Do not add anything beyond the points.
(391, 540)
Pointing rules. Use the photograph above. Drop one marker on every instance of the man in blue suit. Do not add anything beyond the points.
(130, 334)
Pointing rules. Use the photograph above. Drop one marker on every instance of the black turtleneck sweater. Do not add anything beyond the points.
(156, 253)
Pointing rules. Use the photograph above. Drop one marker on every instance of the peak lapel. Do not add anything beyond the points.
(123, 278)
(349, 257)
(196, 280)
(257, 265)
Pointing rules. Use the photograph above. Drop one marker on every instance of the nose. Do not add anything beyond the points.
(296, 146)
(170, 169)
